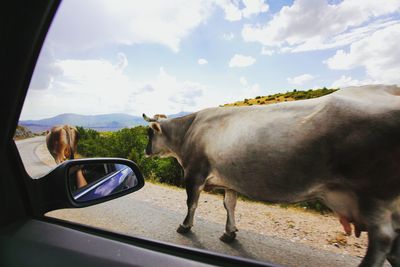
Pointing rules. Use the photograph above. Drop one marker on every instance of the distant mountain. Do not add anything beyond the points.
(105, 122)
(177, 115)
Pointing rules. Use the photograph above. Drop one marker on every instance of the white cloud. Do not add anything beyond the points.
(181, 94)
(45, 71)
(171, 95)
(82, 25)
(345, 81)
(228, 36)
(254, 90)
(378, 54)
(122, 61)
(314, 24)
(241, 61)
(341, 61)
(254, 7)
(267, 52)
(301, 79)
(187, 97)
(85, 86)
(202, 61)
(233, 12)
(247, 90)
(342, 39)
(99, 86)
(243, 81)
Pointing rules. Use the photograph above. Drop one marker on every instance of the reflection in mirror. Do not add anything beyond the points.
(88, 182)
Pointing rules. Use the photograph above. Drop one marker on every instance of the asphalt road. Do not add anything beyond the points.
(133, 216)
(28, 151)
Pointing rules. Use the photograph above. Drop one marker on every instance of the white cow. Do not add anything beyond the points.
(343, 148)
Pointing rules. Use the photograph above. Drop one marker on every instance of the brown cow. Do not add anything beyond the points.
(62, 142)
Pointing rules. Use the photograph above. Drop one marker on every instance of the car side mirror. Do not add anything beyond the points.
(84, 182)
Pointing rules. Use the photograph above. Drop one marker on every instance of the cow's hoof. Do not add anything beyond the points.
(183, 229)
(228, 238)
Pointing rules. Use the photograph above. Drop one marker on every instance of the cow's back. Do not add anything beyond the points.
(340, 138)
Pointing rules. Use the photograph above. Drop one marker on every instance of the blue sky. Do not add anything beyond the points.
(161, 56)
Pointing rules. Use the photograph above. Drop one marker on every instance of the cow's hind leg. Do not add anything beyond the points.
(381, 235)
(193, 189)
(230, 204)
(394, 256)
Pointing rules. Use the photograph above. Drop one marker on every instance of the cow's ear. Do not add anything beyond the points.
(156, 127)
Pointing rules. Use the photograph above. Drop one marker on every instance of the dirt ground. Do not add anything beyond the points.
(294, 224)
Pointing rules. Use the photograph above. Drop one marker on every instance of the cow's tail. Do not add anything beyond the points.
(70, 142)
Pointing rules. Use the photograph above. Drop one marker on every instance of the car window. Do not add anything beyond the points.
(240, 81)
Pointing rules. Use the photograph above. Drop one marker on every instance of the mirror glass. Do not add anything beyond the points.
(92, 181)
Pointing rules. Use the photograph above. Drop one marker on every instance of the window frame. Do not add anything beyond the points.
(44, 239)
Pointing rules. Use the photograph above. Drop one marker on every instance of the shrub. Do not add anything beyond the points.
(129, 143)
(22, 132)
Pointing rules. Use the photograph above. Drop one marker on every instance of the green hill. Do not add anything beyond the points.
(282, 97)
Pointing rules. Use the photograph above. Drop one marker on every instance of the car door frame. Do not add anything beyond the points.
(48, 241)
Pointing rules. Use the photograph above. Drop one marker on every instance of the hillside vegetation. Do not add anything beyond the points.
(22, 132)
(282, 97)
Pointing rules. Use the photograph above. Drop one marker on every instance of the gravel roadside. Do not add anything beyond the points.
(294, 224)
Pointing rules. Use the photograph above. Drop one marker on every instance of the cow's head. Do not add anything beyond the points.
(157, 145)
(62, 142)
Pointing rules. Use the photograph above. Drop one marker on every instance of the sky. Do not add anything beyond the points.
(164, 57)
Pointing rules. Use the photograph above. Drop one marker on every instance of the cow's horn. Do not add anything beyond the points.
(148, 119)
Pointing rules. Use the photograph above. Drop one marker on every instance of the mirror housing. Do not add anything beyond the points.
(54, 190)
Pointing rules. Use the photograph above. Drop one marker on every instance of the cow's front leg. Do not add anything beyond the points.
(193, 189)
(229, 204)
